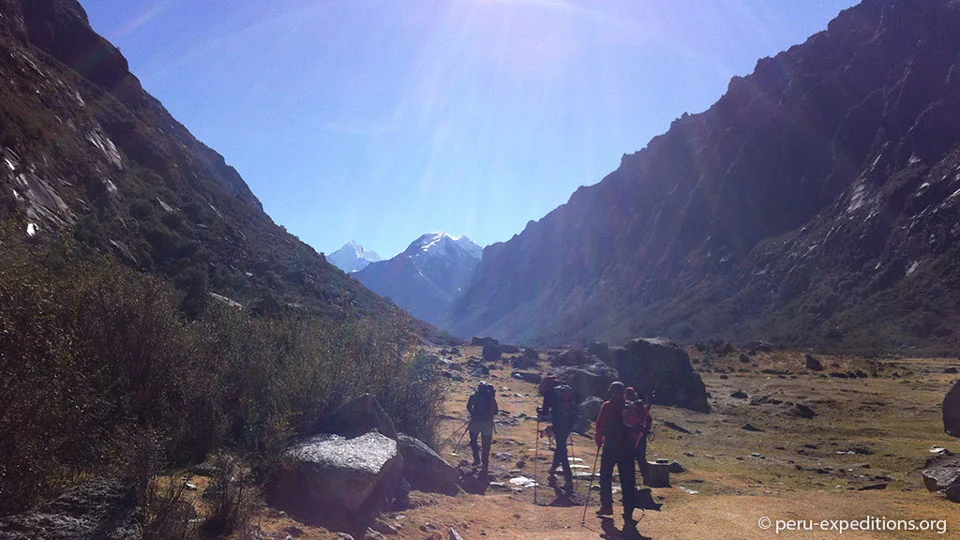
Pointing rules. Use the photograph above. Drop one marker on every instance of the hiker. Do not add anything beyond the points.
(559, 402)
(482, 407)
(611, 435)
(636, 416)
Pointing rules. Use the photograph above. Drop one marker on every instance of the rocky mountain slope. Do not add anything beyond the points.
(86, 150)
(427, 276)
(817, 203)
(352, 257)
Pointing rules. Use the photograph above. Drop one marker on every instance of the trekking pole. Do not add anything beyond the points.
(586, 503)
(456, 432)
(536, 457)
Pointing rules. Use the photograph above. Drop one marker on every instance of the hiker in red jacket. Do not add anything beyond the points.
(611, 435)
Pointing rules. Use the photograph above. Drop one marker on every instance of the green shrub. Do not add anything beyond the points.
(99, 362)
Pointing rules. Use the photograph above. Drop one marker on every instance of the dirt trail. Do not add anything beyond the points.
(868, 433)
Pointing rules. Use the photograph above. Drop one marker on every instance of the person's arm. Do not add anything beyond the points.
(545, 407)
(471, 404)
(496, 408)
(601, 423)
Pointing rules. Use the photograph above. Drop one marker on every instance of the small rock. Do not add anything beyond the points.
(454, 535)
(873, 487)
(750, 427)
(371, 534)
(428, 527)
(190, 487)
(677, 468)
(812, 363)
(295, 532)
(739, 394)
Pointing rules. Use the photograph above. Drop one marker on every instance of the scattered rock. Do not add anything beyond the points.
(523, 362)
(454, 535)
(358, 416)
(204, 469)
(295, 532)
(812, 363)
(424, 469)
(745, 359)
(750, 427)
(94, 509)
(802, 411)
(527, 376)
(873, 487)
(509, 349)
(739, 394)
(531, 353)
(675, 427)
(677, 468)
(951, 370)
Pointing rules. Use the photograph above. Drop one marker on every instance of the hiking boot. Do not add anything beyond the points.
(605, 510)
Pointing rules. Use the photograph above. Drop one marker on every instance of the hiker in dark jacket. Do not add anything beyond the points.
(611, 435)
(638, 428)
(560, 404)
(482, 406)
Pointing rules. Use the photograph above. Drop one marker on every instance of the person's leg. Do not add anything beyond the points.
(487, 440)
(642, 460)
(562, 439)
(628, 482)
(607, 461)
(474, 447)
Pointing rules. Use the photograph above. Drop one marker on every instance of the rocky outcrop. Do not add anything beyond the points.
(97, 509)
(330, 479)
(424, 469)
(358, 416)
(663, 368)
(943, 476)
(478, 341)
(813, 204)
(531, 353)
(588, 380)
(951, 411)
(590, 407)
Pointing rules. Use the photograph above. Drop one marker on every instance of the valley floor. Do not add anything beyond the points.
(860, 457)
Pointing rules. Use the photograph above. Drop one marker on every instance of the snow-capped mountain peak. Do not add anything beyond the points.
(441, 243)
(352, 257)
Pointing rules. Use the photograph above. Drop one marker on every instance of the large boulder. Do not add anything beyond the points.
(572, 357)
(812, 363)
(491, 352)
(590, 407)
(657, 365)
(944, 476)
(359, 416)
(483, 341)
(98, 508)
(531, 353)
(330, 479)
(523, 362)
(425, 469)
(589, 380)
(509, 349)
(951, 411)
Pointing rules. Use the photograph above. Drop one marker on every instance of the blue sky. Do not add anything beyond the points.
(382, 120)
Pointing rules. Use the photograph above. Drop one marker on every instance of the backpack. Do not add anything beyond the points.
(547, 384)
(565, 407)
(483, 399)
(636, 420)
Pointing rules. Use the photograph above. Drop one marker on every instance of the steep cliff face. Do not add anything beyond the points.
(815, 203)
(85, 150)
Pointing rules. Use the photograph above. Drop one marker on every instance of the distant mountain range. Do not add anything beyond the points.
(427, 276)
(817, 203)
(352, 257)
